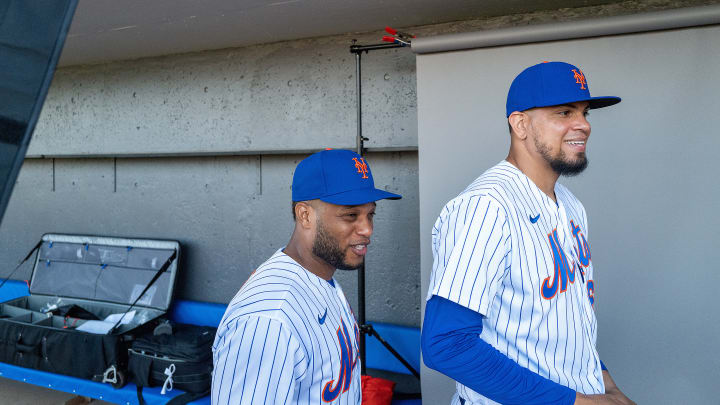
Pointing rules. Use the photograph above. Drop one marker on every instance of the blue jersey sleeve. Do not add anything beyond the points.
(451, 344)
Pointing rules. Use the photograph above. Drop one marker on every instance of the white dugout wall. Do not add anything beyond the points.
(651, 191)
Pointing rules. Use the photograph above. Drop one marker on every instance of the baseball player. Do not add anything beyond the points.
(289, 335)
(509, 312)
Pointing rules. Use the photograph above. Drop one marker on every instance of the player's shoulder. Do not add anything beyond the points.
(491, 188)
(271, 291)
(279, 268)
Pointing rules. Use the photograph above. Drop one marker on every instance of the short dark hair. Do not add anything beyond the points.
(510, 127)
(294, 203)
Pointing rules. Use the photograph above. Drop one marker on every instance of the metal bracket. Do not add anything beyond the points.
(106, 375)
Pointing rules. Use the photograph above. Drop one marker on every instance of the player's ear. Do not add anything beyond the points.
(301, 213)
(304, 212)
(519, 123)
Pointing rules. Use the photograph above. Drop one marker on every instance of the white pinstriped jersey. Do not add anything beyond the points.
(503, 248)
(288, 337)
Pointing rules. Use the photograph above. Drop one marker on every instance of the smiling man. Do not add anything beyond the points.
(510, 311)
(289, 335)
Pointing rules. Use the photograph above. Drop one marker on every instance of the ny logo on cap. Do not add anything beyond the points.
(579, 78)
(361, 167)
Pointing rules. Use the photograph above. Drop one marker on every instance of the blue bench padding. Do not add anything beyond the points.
(197, 313)
(13, 289)
(405, 340)
(125, 395)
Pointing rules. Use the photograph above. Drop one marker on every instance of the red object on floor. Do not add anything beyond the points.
(376, 391)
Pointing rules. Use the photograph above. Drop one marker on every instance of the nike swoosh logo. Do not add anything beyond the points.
(321, 320)
(535, 218)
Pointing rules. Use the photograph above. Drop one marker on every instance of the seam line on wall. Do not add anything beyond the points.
(214, 154)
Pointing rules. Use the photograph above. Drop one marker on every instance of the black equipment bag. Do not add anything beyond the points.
(61, 351)
(173, 356)
(89, 297)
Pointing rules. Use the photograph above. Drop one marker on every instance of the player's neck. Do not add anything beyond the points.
(303, 255)
(539, 173)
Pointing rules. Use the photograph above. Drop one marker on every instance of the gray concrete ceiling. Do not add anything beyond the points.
(106, 30)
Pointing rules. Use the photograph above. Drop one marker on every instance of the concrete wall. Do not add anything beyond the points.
(121, 134)
(640, 170)
(201, 148)
(230, 213)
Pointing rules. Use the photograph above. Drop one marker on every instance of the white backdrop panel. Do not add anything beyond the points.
(651, 192)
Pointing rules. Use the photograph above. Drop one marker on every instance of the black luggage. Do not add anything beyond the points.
(173, 356)
(89, 296)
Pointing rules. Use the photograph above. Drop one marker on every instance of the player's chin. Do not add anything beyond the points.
(579, 160)
(356, 261)
(351, 265)
(353, 261)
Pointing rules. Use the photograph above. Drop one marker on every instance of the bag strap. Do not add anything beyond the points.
(181, 399)
(37, 246)
(187, 397)
(141, 400)
(162, 270)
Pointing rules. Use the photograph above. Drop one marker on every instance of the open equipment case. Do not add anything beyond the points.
(75, 280)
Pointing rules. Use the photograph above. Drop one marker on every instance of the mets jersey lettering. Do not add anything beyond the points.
(562, 273)
(333, 388)
(286, 339)
(506, 250)
(581, 248)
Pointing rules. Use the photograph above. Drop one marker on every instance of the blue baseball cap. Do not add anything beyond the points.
(552, 83)
(336, 176)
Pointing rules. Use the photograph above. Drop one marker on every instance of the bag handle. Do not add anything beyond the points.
(162, 270)
(37, 246)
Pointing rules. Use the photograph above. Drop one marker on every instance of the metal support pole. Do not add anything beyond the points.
(358, 89)
(361, 270)
(364, 328)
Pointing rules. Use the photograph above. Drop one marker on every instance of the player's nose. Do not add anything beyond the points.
(582, 124)
(364, 227)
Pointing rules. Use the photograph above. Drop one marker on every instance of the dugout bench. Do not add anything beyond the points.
(405, 339)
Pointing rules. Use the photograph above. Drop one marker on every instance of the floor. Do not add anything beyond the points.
(18, 393)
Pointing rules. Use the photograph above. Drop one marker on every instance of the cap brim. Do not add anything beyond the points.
(593, 102)
(600, 102)
(359, 197)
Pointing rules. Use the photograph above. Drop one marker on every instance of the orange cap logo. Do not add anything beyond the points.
(579, 78)
(361, 167)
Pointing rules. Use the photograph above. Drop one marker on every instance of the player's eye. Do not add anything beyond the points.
(586, 113)
(564, 113)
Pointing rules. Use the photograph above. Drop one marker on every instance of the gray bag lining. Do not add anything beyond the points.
(105, 269)
(27, 310)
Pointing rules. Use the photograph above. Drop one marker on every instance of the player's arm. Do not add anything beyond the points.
(257, 361)
(451, 344)
(610, 387)
(612, 395)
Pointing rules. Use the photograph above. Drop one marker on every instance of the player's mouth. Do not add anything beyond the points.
(577, 145)
(359, 249)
